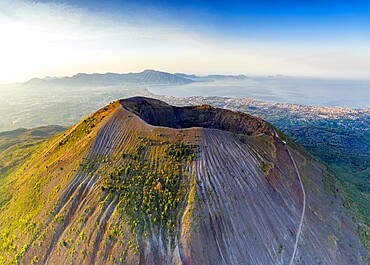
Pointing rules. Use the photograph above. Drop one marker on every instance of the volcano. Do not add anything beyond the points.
(143, 182)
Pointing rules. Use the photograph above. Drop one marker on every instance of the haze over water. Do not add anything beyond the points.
(304, 91)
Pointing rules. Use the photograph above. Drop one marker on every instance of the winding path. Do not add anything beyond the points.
(304, 206)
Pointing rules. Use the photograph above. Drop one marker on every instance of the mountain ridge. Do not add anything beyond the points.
(83, 79)
(147, 76)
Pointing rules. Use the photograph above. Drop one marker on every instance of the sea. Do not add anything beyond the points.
(347, 93)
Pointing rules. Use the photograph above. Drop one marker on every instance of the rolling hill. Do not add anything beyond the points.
(143, 182)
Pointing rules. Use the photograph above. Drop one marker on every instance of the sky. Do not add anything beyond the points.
(296, 38)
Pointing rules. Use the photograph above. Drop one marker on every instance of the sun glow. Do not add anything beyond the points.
(40, 39)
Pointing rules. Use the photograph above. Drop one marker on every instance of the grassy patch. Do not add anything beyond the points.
(151, 184)
(266, 167)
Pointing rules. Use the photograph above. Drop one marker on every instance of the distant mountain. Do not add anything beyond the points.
(35, 82)
(277, 76)
(191, 77)
(145, 77)
(227, 77)
(82, 79)
(156, 77)
(143, 182)
(209, 78)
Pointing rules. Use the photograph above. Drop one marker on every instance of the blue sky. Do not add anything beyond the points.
(307, 38)
(232, 14)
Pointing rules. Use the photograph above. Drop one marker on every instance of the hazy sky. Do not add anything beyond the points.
(307, 38)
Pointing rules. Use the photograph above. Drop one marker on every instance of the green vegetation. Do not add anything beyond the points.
(329, 183)
(151, 184)
(266, 167)
(46, 167)
(84, 128)
(15, 148)
(280, 250)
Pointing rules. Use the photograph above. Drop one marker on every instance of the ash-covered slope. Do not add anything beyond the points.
(142, 182)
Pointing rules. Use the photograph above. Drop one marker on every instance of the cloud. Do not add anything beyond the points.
(48, 37)
(40, 39)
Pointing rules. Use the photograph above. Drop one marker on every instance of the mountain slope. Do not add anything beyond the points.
(143, 182)
(16, 147)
